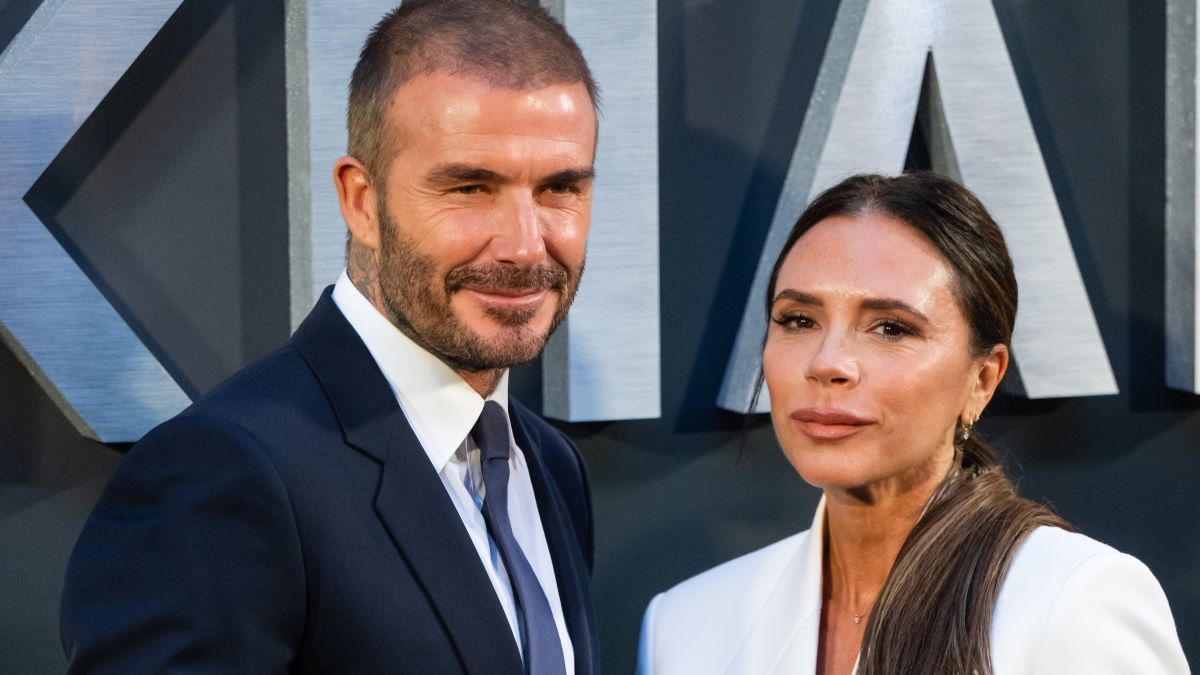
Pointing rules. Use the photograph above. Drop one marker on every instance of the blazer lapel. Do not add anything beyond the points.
(783, 637)
(411, 500)
(570, 569)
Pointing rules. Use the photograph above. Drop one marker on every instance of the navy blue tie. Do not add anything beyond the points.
(543, 651)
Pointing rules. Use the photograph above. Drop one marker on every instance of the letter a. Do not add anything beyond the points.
(860, 119)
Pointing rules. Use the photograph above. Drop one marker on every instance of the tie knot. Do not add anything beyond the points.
(491, 432)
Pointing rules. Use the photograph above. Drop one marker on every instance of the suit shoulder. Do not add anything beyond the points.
(1068, 598)
(1053, 552)
(1051, 557)
(729, 586)
(195, 448)
(258, 397)
(698, 625)
(280, 366)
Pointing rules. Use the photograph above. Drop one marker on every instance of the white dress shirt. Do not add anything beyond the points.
(442, 408)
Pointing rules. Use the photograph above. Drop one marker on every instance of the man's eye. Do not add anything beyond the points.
(468, 189)
(562, 188)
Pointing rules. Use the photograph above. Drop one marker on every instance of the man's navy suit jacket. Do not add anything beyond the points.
(290, 521)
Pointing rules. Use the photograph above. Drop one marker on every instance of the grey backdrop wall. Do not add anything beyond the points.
(174, 194)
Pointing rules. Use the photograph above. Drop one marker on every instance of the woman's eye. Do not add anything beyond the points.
(793, 321)
(892, 329)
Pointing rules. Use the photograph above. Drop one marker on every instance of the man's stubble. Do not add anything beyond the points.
(417, 302)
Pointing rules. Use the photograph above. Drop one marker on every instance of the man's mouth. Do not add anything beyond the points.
(511, 298)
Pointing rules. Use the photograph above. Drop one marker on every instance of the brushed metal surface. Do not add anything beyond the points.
(1182, 245)
(555, 7)
(52, 76)
(604, 363)
(860, 119)
(322, 43)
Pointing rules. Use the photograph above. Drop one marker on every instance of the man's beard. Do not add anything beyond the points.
(418, 303)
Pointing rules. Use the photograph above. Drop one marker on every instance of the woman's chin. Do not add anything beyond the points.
(836, 476)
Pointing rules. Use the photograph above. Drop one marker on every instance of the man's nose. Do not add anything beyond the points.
(834, 363)
(520, 239)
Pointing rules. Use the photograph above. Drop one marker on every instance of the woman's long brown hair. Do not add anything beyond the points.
(934, 613)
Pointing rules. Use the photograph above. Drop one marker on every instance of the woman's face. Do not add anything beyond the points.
(868, 359)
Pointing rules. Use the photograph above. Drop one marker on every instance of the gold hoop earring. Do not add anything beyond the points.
(966, 429)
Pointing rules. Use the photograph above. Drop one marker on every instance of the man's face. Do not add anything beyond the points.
(483, 215)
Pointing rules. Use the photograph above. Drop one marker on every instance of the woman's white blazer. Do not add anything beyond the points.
(1069, 604)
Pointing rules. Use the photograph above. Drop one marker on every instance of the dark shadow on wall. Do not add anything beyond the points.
(49, 478)
(1147, 209)
(704, 175)
(13, 16)
(261, 95)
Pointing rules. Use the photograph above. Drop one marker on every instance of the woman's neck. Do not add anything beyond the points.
(862, 542)
(864, 530)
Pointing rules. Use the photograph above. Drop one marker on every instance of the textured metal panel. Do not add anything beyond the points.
(604, 363)
(555, 7)
(52, 316)
(1057, 346)
(1182, 244)
(322, 42)
(859, 120)
(843, 106)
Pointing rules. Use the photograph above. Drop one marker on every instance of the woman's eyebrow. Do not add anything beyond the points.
(879, 304)
(893, 304)
(798, 296)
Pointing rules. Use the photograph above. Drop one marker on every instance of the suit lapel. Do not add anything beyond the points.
(414, 506)
(570, 569)
(411, 501)
(783, 637)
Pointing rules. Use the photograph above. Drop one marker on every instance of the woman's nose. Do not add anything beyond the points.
(834, 362)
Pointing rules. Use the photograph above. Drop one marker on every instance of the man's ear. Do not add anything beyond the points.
(990, 369)
(357, 200)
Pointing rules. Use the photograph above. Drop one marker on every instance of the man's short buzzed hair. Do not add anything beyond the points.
(514, 44)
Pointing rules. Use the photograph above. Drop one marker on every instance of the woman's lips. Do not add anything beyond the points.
(829, 424)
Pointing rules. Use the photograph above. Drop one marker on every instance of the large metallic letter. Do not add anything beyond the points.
(84, 355)
(1182, 244)
(860, 120)
(603, 363)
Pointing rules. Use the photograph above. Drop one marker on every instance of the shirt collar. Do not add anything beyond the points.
(440, 406)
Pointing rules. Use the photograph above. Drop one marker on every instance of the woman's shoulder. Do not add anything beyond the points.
(1060, 548)
(698, 624)
(1071, 601)
(1052, 560)
(733, 577)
